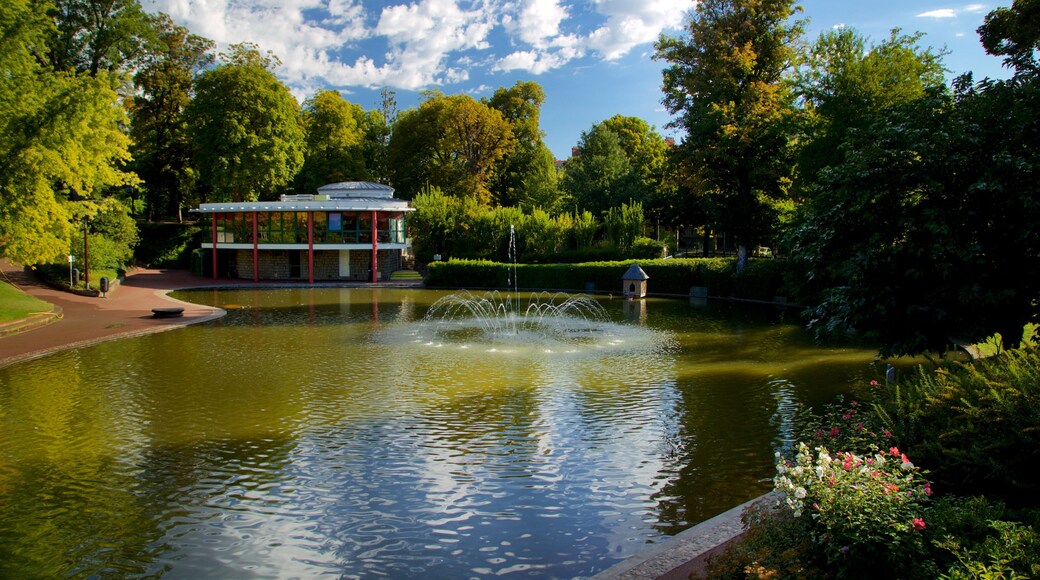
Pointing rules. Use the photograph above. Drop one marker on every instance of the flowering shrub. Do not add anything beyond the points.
(844, 426)
(861, 509)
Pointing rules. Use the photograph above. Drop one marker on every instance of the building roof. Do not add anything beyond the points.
(356, 189)
(343, 196)
(635, 273)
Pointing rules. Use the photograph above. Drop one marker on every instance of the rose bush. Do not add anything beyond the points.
(861, 509)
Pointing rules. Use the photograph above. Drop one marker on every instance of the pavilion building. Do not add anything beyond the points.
(340, 233)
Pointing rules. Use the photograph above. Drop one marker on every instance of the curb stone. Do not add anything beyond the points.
(673, 557)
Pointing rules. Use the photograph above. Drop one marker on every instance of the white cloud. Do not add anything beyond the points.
(423, 36)
(947, 13)
(940, 13)
(634, 22)
(539, 21)
(412, 44)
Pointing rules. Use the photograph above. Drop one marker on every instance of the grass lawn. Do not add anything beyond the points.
(15, 304)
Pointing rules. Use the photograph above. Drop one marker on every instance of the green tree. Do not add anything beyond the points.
(246, 128)
(600, 176)
(645, 148)
(161, 145)
(112, 235)
(846, 83)
(451, 142)
(522, 175)
(336, 140)
(541, 185)
(725, 83)
(60, 137)
(1014, 33)
(99, 35)
(926, 234)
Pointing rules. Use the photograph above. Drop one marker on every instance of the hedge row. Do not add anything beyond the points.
(760, 280)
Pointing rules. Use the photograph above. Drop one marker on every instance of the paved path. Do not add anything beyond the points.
(82, 320)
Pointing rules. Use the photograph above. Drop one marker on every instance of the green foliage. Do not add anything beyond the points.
(647, 248)
(624, 224)
(337, 134)
(844, 426)
(775, 545)
(111, 238)
(1014, 33)
(60, 135)
(974, 426)
(761, 280)
(861, 510)
(95, 36)
(600, 176)
(168, 245)
(246, 128)
(526, 175)
(846, 84)
(161, 145)
(451, 142)
(724, 82)
(583, 230)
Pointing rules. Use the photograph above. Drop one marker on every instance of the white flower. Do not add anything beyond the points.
(799, 492)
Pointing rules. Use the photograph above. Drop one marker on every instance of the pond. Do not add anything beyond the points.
(334, 431)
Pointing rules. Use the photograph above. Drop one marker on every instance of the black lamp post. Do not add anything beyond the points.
(86, 256)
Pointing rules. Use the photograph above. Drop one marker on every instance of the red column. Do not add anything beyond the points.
(214, 246)
(310, 247)
(375, 247)
(256, 251)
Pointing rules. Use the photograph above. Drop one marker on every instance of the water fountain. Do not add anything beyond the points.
(551, 322)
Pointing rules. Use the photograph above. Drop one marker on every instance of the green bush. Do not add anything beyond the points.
(776, 545)
(761, 280)
(861, 511)
(976, 427)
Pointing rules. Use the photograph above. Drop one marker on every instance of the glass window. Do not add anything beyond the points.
(350, 226)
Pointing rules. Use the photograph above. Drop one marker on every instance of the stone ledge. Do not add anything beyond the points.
(674, 556)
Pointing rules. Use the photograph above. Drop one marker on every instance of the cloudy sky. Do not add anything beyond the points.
(592, 57)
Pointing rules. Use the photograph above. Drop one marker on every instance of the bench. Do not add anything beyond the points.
(172, 312)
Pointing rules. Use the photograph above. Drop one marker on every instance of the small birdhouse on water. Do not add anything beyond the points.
(634, 282)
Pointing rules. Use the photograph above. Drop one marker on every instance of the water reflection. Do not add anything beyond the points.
(309, 432)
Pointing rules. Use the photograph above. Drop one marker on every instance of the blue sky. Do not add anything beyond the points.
(592, 57)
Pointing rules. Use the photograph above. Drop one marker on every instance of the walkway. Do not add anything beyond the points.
(83, 320)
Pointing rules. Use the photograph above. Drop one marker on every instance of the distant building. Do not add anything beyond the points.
(352, 230)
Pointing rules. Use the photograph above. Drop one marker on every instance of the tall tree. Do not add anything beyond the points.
(246, 128)
(521, 106)
(161, 145)
(381, 126)
(725, 84)
(335, 141)
(845, 83)
(60, 137)
(97, 35)
(600, 176)
(1014, 33)
(451, 142)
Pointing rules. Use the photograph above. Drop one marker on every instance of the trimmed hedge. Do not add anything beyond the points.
(760, 280)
